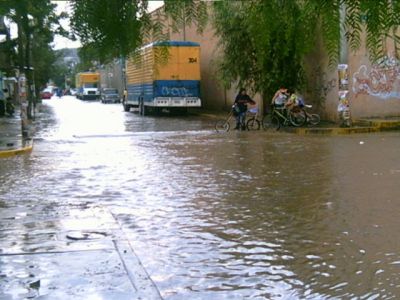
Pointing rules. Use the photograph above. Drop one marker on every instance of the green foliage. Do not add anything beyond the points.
(263, 43)
(88, 58)
(377, 18)
(43, 62)
(117, 28)
(185, 12)
(37, 23)
(110, 28)
(327, 12)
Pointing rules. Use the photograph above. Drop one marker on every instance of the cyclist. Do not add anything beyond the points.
(241, 101)
(295, 100)
(280, 98)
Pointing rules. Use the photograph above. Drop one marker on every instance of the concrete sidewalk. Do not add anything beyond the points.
(365, 125)
(68, 252)
(11, 141)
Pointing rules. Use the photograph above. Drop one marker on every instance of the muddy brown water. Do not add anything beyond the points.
(239, 215)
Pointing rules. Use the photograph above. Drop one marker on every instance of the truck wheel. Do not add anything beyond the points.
(142, 108)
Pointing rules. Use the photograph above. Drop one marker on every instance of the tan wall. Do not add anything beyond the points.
(322, 83)
(111, 76)
(375, 89)
(212, 94)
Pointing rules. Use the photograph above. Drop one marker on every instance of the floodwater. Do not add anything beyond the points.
(238, 215)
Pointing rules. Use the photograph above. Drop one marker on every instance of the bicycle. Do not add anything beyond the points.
(224, 125)
(253, 123)
(312, 119)
(284, 116)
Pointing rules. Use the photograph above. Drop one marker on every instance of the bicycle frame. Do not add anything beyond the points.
(311, 118)
(253, 121)
(229, 118)
(224, 125)
(289, 115)
(280, 115)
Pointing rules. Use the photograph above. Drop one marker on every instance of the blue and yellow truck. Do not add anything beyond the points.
(156, 83)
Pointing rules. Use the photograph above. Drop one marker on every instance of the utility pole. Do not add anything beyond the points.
(343, 72)
(343, 54)
(23, 104)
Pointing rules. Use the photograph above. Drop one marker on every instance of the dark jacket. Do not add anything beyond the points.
(242, 100)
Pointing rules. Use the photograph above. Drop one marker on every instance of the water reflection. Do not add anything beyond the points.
(223, 216)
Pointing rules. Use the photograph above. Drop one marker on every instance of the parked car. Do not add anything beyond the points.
(46, 94)
(110, 95)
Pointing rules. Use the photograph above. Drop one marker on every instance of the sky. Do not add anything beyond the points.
(61, 42)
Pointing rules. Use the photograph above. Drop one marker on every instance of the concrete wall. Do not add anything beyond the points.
(374, 90)
(111, 76)
(213, 95)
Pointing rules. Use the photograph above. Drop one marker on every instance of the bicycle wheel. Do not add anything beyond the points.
(222, 125)
(297, 118)
(270, 122)
(253, 124)
(313, 119)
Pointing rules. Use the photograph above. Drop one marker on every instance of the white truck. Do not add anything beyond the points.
(87, 84)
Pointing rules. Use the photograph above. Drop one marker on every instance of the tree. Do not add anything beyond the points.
(112, 29)
(88, 58)
(43, 62)
(37, 23)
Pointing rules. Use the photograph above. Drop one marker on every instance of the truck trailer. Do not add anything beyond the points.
(87, 84)
(154, 83)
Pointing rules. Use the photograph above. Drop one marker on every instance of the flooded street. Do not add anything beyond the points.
(239, 215)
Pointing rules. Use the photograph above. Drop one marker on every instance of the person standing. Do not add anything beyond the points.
(241, 101)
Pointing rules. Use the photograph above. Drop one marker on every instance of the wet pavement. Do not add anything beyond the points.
(10, 133)
(112, 205)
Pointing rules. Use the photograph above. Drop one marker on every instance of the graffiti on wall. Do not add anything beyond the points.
(382, 80)
(175, 91)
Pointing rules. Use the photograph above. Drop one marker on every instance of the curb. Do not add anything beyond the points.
(336, 131)
(372, 125)
(27, 147)
(386, 125)
(365, 126)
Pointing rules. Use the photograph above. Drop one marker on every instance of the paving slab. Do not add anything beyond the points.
(11, 141)
(94, 274)
(68, 252)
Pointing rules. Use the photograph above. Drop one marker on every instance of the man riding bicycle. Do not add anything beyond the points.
(240, 107)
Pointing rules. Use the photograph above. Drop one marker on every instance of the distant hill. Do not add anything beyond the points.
(69, 55)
